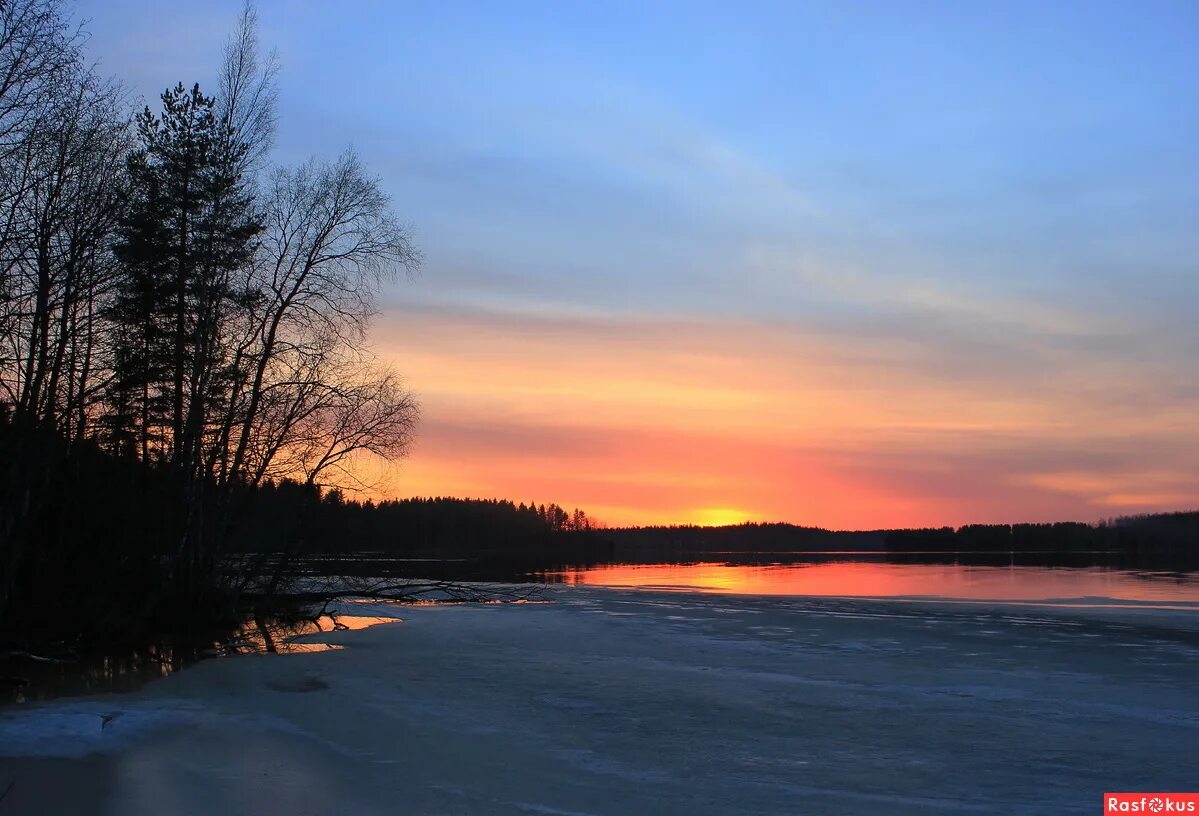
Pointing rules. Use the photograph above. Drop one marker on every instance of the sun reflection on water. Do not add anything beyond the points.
(877, 580)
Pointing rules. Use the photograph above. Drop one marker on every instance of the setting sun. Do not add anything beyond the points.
(720, 516)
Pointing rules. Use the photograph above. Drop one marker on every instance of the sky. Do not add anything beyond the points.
(847, 264)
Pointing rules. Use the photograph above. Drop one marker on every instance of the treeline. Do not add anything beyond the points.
(1162, 538)
(298, 520)
(181, 321)
(690, 542)
(1060, 536)
(295, 519)
(1160, 534)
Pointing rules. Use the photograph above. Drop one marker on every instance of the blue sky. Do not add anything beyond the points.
(961, 218)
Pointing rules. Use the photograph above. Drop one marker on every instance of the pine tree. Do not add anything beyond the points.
(189, 226)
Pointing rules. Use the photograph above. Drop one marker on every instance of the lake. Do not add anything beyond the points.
(810, 574)
(865, 579)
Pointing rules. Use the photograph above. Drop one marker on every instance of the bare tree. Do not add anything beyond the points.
(57, 282)
(248, 92)
(374, 416)
(61, 143)
(37, 49)
(330, 241)
(37, 45)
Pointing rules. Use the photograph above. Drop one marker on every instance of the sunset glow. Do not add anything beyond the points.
(834, 264)
(678, 421)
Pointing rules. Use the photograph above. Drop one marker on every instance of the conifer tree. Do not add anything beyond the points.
(189, 225)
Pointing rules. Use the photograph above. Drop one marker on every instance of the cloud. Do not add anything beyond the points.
(645, 416)
(845, 297)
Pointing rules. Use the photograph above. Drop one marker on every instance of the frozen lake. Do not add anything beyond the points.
(632, 702)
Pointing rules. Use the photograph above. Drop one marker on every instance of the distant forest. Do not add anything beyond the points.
(1156, 538)
(291, 518)
(285, 520)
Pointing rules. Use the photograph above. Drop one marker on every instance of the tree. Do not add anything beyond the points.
(67, 215)
(330, 240)
(189, 226)
(170, 302)
(61, 139)
(248, 91)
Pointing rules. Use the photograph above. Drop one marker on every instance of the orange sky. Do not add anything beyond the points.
(643, 420)
(835, 264)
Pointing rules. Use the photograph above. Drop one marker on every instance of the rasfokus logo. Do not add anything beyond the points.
(1151, 803)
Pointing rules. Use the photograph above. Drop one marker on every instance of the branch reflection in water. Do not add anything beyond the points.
(29, 677)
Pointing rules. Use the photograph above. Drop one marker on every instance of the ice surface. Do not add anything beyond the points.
(634, 702)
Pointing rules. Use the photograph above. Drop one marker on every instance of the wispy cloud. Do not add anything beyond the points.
(646, 415)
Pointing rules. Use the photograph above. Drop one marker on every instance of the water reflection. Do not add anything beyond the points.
(886, 580)
(28, 677)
